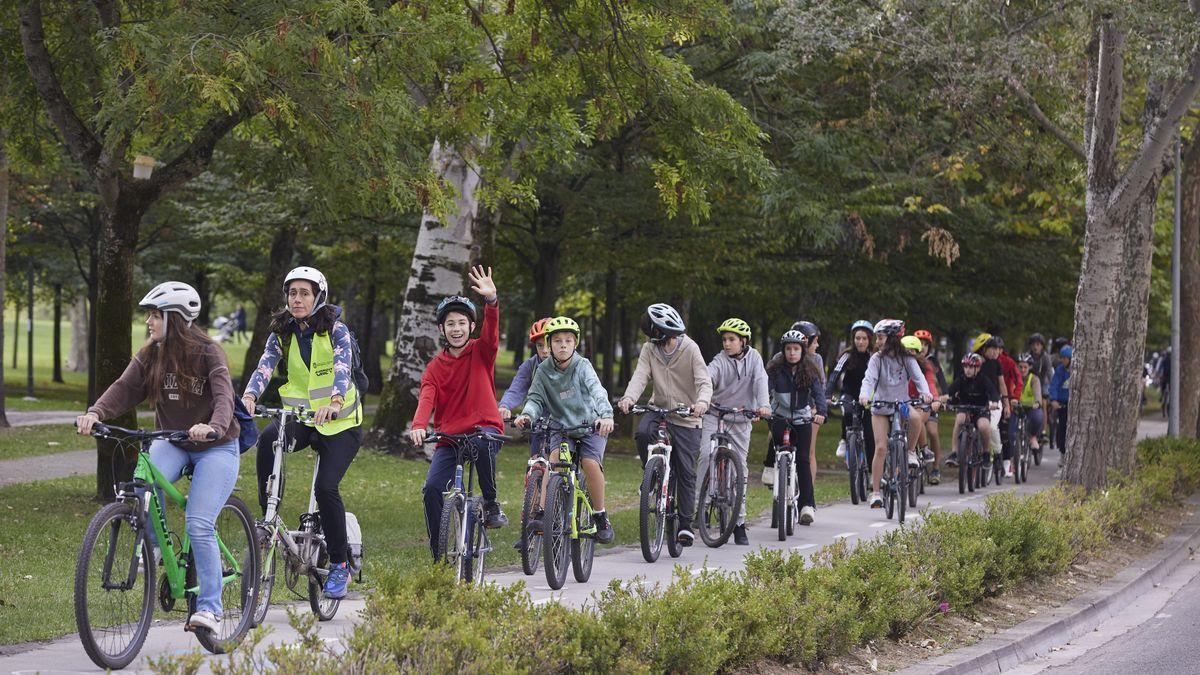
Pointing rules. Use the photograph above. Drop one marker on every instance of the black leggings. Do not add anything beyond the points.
(336, 453)
(864, 417)
(801, 441)
(1060, 432)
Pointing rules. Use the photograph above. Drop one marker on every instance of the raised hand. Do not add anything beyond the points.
(481, 282)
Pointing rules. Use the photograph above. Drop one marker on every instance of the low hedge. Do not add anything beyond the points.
(780, 607)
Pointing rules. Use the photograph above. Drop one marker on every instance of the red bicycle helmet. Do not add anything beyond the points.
(538, 330)
(924, 335)
(972, 359)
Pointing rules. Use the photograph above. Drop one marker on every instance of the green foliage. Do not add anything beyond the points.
(779, 607)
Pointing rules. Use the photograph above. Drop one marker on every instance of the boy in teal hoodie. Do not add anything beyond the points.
(565, 387)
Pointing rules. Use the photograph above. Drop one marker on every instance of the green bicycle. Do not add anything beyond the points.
(568, 512)
(115, 572)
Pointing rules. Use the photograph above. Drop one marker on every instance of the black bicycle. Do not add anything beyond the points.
(463, 539)
(857, 466)
(972, 460)
(1023, 454)
(895, 482)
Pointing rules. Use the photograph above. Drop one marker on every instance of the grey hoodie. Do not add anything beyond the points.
(887, 378)
(739, 383)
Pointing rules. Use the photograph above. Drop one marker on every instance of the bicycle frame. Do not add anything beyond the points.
(662, 447)
(566, 466)
(786, 448)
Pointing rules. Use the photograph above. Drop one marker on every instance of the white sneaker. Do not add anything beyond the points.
(913, 461)
(876, 500)
(841, 449)
(768, 477)
(806, 515)
(204, 619)
(1008, 468)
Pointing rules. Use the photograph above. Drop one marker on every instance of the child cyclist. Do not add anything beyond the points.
(848, 375)
(888, 373)
(916, 347)
(738, 381)
(566, 388)
(972, 388)
(796, 388)
(518, 389)
(673, 362)
(459, 385)
(1030, 398)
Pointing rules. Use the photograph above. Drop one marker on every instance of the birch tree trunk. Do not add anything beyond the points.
(443, 253)
(77, 353)
(1189, 315)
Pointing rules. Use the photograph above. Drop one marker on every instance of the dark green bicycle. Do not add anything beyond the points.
(115, 572)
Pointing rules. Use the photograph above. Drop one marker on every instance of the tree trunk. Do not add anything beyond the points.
(3, 253)
(93, 296)
(610, 329)
(626, 350)
(1188, 359)
(441, 256)
(77, 354)
(200, 281)
(114, 335)
(283, 247)
(57, 374)
(16, 334)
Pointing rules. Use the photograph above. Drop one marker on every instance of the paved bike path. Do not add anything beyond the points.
(841, 520)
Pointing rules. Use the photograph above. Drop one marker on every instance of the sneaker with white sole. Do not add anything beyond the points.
(1008, 469)
(203, 619)
(685, 537)
(913, 460)
(806, 515)
(768, 477)
(952, 460)
(841, 449)
(876, 500)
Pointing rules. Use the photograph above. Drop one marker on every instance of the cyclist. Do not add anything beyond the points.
(673, 362)
(889, 371)
(739, 380)
(518, 389)
(1043, 369)
(916, 347)
(796, 388)
(310, 341)
(813, 334)
(972, 388)
(985, 345)
(459, 385)
(932, 436)
(184, 374)
(1031, 398)
(848, 374)
(1060, 396)
(1015, 384)
(566, 388)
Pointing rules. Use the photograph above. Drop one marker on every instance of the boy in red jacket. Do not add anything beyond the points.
(459, 384)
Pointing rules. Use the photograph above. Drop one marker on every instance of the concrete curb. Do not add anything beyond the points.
(1035, 637)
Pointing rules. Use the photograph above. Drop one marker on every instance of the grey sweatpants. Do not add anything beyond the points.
(739, 432)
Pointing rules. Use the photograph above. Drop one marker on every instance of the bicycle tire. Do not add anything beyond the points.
(239, 596)
(783, 476)
(556, 531)
(104, 653)
(852, 467)
(914, 485)
(720, 509)
(324, 608)
(674, 548)
(864, 478)
(583, 547)
(480, 544)
(902, 486)
(531, 544)
(998, 469)
(268, 562)
(964, 459)
(651, 522)
(448, 532)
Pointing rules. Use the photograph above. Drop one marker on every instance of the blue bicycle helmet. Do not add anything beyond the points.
(455, 303)
(862, 324)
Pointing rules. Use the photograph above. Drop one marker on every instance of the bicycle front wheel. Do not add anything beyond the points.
(720, 497)
(450, 532)
(531, 544)
(268, 563)
(557, 528)
(852, 467)
(783, 476)
(238, 543)
(114, 587)
(651, 519)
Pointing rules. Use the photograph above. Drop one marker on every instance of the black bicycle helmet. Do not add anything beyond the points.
(1037, 337)
(455, 303)
(809, 328)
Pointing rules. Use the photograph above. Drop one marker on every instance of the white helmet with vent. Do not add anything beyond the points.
(173, 296)
(313, 275)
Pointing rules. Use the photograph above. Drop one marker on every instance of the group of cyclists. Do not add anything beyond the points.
(183, 373)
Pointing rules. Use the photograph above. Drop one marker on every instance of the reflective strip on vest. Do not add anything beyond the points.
(313, 387)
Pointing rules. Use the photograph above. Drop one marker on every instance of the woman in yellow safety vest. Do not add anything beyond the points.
(317, 351)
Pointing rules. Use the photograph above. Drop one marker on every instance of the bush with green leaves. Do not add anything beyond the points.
(781, 606)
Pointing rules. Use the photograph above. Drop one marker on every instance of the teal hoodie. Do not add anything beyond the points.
(573, 396)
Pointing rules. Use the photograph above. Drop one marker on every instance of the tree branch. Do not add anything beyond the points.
(1044, 120)
(80, 140)
(194, 159)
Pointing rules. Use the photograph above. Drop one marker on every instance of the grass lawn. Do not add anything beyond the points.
(45, 439)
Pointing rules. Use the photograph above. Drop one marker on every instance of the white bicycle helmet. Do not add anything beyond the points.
(173, 296)
(313, 275)
(661, 322)
(890, 327)
(793, 337)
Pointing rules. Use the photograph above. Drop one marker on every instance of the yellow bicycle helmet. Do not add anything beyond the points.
(911, 342)
(736, 326)
(559, 324)
(981, 341)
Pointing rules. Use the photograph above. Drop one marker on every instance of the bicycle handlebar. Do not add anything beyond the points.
(301, 414)
(723, 411)
(963, 407)
(915, 402)
(682, 411)
(545, 425)
(101, 430)
(478, 433)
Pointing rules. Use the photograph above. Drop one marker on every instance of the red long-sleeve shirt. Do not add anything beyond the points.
(461, 389)
(1012, 375)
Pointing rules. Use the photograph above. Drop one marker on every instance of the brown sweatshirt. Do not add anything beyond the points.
(679, 379)
(183, 403)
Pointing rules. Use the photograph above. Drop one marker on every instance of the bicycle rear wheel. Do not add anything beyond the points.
(903, 486)
(964, 461)
(583, 547)
(114, 587)
(238, 542)
(531, 544)
(719, 503)
(268, 562)
(557, 528)
(651, 519)
(480, 543)
(674, 548)
(325, 608)
(852, 467)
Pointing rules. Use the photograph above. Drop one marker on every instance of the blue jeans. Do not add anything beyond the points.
(214, 473)
(441, 474)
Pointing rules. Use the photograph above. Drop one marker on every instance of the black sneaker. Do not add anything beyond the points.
(685, 537)
(952, 459)
(739, 536)
(604, 530)
(493, 516)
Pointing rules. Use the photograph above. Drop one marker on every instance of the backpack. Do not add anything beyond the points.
(248, 437)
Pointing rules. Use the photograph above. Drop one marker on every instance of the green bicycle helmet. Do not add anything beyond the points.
(911, 342)
(736, 326)
(559, 324)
